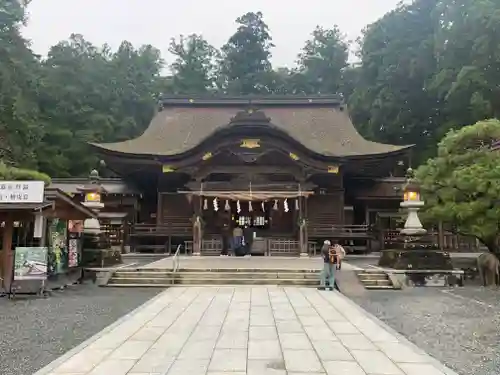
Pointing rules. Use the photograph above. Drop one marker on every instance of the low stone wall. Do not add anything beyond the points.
(101, 257)
(415, 259)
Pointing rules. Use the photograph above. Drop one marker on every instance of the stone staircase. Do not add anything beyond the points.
(162, 278)
(375, 279)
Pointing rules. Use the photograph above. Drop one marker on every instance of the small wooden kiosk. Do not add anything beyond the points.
(28, 202)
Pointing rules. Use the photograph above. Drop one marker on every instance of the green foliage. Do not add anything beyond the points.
(323, 62)
(460, 185)
(19, 174)
(195, 65)
(20, 132)
(94, 95)
(425, 68)
(390, 103)
(245, 64)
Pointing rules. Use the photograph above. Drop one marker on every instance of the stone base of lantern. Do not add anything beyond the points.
(413, 254)
(97, 251)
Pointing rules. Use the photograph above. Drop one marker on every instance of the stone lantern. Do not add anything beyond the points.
(412, 202)
(414, 252)
(92, 192)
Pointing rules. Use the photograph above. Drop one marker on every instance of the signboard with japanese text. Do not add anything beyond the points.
(21, 191)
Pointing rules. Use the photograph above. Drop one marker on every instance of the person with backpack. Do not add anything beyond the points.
(340, 251)
(329, 261)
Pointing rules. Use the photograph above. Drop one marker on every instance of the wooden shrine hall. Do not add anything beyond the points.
(292, 170)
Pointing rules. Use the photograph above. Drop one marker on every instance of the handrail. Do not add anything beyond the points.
(175, 260)
(175, 264)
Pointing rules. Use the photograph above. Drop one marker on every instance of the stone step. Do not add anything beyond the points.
(139, 285)
(133, 282)
(375, 279)
(372, 276)
(386, 282)
(252, 281)
(219, 275)
(222, 270)
(139, 280)
(390, 287)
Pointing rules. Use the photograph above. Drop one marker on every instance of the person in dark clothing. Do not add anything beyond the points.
(329, 260)
(248, 238)
(238, 241)
(226, 235)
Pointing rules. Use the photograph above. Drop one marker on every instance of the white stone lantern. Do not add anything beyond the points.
(92, 193)
(412, 201)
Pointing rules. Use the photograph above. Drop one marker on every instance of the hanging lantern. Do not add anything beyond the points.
(285, 206)
(205, 204)
(216, 205)
(263, 206)
(275, 207)
(296, 204)
(250, 208)
(227, 207)
(238, 208)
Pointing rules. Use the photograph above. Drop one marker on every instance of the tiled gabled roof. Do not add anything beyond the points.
(321, 124)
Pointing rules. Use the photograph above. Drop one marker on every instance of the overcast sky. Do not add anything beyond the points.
(156, 21)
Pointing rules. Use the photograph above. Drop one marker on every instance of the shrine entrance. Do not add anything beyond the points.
(270, 219)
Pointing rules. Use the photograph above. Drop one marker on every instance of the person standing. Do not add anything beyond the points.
(226, 235)
(237, 240)
(328, 273)
(340, 251)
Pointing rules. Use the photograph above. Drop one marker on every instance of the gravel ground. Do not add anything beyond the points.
(34, 332)
(460, 326)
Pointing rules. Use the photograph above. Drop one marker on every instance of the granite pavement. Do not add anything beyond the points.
(263, 330)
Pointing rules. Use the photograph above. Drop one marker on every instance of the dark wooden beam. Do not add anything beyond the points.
(205, 171)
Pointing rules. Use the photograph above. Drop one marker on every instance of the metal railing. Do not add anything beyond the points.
(175, 263)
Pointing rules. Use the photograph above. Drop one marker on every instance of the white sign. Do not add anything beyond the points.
(21, 191)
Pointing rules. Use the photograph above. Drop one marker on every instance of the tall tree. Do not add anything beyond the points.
(391, 102)
(245, 64)
(468, 50)
(20, 128)
(135, 85)
(94, 95)
(194, 67)
(323, 61)
(460, 184)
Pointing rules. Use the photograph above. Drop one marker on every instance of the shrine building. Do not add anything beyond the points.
(293, 169)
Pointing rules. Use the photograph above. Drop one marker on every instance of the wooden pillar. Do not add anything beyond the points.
(7, 254)
(197, 225)
(303, 236)
(159, 209)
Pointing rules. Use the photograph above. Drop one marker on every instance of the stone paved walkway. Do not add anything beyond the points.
(247, 330)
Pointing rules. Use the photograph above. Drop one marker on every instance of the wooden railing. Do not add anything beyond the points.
(210, 246)
(170, 229)
(274, 247)
(282, 247)
(340, 231)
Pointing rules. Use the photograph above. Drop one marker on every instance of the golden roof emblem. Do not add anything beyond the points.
(250, 143)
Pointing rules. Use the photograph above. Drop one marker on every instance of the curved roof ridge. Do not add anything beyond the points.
(324, 129)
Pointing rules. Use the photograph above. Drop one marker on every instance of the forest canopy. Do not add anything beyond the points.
(422, 69)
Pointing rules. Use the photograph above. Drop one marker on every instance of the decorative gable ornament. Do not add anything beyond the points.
(250, 143)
